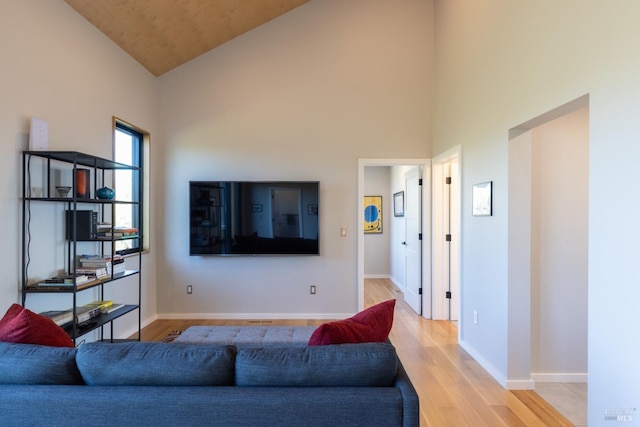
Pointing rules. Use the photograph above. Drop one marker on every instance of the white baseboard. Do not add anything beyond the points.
(388, 277)
(560, 377)
(250, 316)
(398, 284)
(486, 365)
(134, 329)
(376, 276)
(520, 385)
(524, 384)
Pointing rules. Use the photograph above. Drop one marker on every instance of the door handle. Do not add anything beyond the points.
(404, 243)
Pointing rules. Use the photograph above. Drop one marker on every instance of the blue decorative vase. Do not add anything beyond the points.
(105, 193)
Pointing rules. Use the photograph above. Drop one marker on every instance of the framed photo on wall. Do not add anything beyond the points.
(482, 199)
(398, 203)
(372, 214)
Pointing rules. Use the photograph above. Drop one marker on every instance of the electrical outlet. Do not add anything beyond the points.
(475, 317)
(312, 290)
(189, 289)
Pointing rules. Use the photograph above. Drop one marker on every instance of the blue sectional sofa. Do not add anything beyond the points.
(160, 384)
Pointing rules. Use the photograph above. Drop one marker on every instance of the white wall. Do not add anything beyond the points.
(500, 63)
(57, 67)
(559, 237)
(376, 246)
(302, 97)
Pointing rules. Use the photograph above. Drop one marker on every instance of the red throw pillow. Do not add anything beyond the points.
(370, 325)
(20, 325)
(13, 311)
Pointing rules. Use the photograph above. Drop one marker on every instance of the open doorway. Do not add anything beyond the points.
(548, 252)
(395, 230)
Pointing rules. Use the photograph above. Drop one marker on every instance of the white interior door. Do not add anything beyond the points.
(446, 236)
(413, 242)
(454, 232)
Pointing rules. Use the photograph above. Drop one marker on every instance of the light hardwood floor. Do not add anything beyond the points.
(454, 390)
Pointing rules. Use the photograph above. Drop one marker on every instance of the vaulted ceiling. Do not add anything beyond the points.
(163, 34)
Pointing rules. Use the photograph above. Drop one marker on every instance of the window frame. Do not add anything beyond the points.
(140, 155)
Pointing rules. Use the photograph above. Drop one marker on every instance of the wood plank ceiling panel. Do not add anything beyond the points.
(163, 34)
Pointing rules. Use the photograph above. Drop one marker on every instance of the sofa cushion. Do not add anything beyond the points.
(21, 325)
(248, 336)
(36, 364)
(370, 325)
(153, 363)
(346, 365)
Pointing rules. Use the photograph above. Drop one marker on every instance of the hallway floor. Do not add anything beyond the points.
(570, 399)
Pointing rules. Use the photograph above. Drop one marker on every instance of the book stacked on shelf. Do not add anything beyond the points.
(111, 264)
(103, 227)
(95, 272)
(106, 231)
(105, 306)
(100, 305)
(83, 313)
(68, 279)
(59, 317)
(113, 307)
(64, 281)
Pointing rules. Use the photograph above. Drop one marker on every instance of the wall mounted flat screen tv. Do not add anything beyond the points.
(254, 218)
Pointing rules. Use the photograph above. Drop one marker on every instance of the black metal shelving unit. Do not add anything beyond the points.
(51, 161)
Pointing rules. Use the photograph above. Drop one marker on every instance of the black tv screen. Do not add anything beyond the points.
(254, 218)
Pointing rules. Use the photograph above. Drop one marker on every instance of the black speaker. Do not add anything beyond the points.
(86, 225)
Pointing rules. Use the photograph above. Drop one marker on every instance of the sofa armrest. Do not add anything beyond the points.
(410, 401)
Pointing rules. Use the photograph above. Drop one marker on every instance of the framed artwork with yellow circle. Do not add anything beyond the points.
(372, 214)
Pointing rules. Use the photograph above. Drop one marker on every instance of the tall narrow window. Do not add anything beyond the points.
(129, 144)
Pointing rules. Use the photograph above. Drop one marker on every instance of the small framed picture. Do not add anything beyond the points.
(482, 199)
(256, 207)
(312, 209)
(398, 203)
